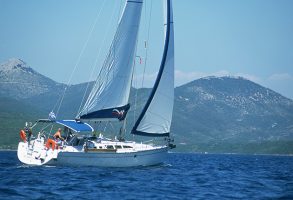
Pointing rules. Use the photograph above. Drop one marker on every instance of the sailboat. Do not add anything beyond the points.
(109, 101)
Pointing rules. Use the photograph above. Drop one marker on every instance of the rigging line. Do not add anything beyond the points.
(95, 66)
(135, 81)
(134, 71)
(106, 69)
(79, 57)
(100, 81)
(146, 44)
(160, 73)
(51, 129)
(145, 12)
(56, 104)
(45, 126)
(132, 77)
(148, 33)
(119, 13)
(146, 50)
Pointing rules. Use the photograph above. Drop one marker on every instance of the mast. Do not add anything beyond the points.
(108, 100)
(156, 116)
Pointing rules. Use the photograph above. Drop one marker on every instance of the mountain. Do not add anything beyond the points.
(212, 114)
(20, 81)
(13, 115)
(223, 114)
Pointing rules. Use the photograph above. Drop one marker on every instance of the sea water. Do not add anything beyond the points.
(182, 176)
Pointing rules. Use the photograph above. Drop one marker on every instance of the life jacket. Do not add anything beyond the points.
(22, 135)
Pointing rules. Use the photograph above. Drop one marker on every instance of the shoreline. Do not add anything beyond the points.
(204, 153)
(8, 150)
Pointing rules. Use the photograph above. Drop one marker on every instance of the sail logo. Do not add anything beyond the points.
(118, 113)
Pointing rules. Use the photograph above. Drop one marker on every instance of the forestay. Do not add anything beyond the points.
(155, 119)
(108, 99)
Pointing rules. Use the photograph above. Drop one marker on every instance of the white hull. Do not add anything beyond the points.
(139, 155)
(34, 156)
(130, 159)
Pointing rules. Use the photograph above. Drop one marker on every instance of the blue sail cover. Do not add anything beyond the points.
(76, 126)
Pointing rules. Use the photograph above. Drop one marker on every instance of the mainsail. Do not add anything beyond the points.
(108, 99)
(155, 118)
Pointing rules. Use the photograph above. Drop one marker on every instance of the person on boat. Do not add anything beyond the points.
(29, 132)
(58, 138)
(57, 135)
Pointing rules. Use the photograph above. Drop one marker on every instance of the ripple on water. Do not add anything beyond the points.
(183, 176)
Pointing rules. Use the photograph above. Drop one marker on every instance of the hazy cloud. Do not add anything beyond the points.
(146, 80)
(280, 77)
(278, 82)
(250, 77)
(182, 77)
(185, 77)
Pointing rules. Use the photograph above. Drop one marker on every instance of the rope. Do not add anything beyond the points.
(146, 50)
(119, 13)
(95, 64)
(135, 96)
(147, 19)
(79, 57)
(146, 46)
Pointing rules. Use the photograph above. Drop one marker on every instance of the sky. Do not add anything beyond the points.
(67, 40)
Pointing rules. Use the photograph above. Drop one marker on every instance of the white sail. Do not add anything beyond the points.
(109, 96)
(156, 117)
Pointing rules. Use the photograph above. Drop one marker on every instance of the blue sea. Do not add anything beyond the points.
(183, 176)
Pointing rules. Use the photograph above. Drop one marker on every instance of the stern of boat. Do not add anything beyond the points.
(35, 153)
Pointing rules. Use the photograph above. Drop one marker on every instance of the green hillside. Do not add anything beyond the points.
(216, 115)
(12, 118)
